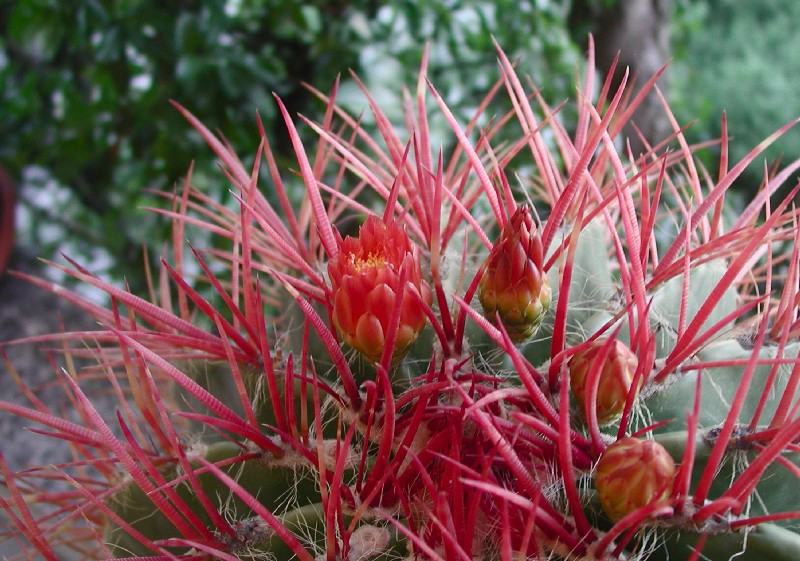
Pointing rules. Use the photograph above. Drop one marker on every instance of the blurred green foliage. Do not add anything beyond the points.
(86, 123)
(741, 58)
(84, 87)
(87, 126)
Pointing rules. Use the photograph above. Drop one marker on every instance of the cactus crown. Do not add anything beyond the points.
(450, 434)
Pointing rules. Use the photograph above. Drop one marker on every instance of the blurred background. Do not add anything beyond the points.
(86, 127)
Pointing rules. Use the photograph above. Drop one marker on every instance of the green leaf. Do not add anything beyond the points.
(36, 28)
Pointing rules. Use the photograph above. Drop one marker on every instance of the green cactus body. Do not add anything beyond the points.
(276, 488)
(666, 304)
(765, 541)
(590, 292)
(719, 384)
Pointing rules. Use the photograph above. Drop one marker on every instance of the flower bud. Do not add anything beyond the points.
(633, 473)
(616, 373)
(514, 287)
(365, 282)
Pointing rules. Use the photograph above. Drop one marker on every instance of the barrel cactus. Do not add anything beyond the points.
(538, 345)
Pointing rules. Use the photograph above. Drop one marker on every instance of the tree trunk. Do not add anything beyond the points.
(639, 31)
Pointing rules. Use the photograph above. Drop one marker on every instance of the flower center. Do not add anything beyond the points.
(371, 261)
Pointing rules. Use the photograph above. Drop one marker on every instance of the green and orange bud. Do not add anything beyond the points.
(514, 288)
(616, 369)
(365, 281)
(634, 473)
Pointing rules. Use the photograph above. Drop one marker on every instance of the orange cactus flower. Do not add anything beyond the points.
(514, 287)
(616, 378)
(365, 278)
(633, 473)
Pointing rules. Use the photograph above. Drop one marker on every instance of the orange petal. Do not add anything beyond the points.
(369, 337)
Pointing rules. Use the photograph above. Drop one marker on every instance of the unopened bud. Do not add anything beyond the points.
(633, 473)
(514, 288)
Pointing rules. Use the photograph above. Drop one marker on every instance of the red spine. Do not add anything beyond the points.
(7, 203)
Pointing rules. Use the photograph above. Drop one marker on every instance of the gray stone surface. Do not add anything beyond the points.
(25, 311)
